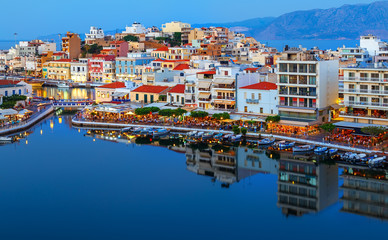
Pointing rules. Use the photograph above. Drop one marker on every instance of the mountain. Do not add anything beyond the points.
(346, 22)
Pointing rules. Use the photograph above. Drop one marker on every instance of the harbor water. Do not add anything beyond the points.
(61, 182)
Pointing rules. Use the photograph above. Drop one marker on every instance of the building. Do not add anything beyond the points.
(308, 87)
(71, 44)
(126, 66)
(119, 48)
(10, 88)
(102, 68)
(258, 98)
(79, 70)
(354, 53)
(375, 47)
(176, 95)
(136, 28)
(174, 26)
(94, 34)
(109, 92)
(223, 89)
(149, 94)
(162, 77)
(365, 93)
(57, 70)
(160, 52)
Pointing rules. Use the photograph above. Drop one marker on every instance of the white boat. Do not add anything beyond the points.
(160, 132)
(5, 140)
(266, 141)
(62, 85)
(320, 149)
(227, 137)
(283, 145)
(377, 162)
(137, 130)
(236, 138)
(304, 148)
(199, 134)
(333, 151)
(192, 133)
(207, 135)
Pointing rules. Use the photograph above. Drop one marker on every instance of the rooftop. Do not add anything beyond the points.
(179, 88)
(150, 89)
(181, 66)
(113, 85)
(261, 86)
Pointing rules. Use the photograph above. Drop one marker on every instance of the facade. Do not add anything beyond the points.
(71, 44)
(79, 70)
(174, 26)
(108, 92)
(136, 28)
(94, 33)
(120, 48)
(160, 52)
(308, 87)
(258, 98)
(149, 94)
(176, 95)
(126, 66)
(223, 89)
(354, 53)
(57, 70)
(365, 93)
(102, 68)
(10, 88)
(375, 47)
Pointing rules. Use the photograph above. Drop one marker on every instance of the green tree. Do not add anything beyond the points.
(94, 49)
(273, 118)
(374, 131)
(131, 38)
(166, 112)
(179, 111)
(219, 116)
(327, 127)
(199, 114)
(244, 131)
(236, 129)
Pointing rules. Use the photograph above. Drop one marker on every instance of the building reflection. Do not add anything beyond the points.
(365, 192)
(305, 186)
(64, 93)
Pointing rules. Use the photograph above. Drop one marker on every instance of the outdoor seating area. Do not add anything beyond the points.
(10, 116)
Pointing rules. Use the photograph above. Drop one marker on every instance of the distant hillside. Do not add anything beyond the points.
(346, 22)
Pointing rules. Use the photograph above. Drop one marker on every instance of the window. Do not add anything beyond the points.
(302, 79)
(137, 97)
(374, 75)
(293, 79)
(253, 96)
(363, 99)
(283, 67)
(245, 109)
(283, 79)
(245, 95)
(293, 67)
(259, 96)
(364, 75)
(312, 68)
(351, 98)
(303, 68)
(261, 110)
(363, 88)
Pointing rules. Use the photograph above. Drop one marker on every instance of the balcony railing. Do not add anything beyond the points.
(223, 98)
(365, 104)
(308, 94)
(362, 79)
(189, 91)
(384, 117)
(253, 101)
(362, 91)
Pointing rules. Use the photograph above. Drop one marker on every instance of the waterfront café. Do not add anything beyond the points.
(8, 116)
(107, 112)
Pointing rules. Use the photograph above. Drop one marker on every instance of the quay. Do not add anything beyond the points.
(27, 123)
(119, 126)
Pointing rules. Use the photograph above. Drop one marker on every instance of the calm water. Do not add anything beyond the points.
(64, 93)
(63, 183)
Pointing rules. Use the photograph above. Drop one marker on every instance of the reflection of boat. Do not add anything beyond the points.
(320, 149)
(285, 145)
(62, 85)
(304, 148)
(35, 83)
(5, 140)
(266, 141)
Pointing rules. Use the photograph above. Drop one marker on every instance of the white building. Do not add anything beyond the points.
(176, 95)
(94, 33)
(308, 87)
(136, 28)
(79, 70)
(258, 98)
(9, 88)
(47, 47)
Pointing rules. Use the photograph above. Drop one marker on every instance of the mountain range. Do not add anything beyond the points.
(346, 22)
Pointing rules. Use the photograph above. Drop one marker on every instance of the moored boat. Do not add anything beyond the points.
(207, 135)
(161, 132)
(236, 138)
(266, 141)
(320, 149)
(62, 85)
(303, 148)
(6, 140)
(283, 145)
(332, 151)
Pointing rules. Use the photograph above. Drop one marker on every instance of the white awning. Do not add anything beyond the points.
(299, 110)
(202, 84)
(6, 112)
(24, 111)
(224, 81)
(119, 94)
(204, 95)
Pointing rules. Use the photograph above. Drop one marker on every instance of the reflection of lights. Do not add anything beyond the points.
(60, 120)
(79, 130)
(26, 141)
(51, 124)
(41, 131)
(94, 140)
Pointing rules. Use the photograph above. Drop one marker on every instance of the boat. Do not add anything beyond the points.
(199, 134)
(332, 151)
(6, 140)
(192, 133)
(320, 150)
(227, 137)
(62, 85)
(160, 132)
(304, 148)
(35, 83)
(218, 136)
(127, 129)
(207, 135)
(137, 130)
(377, 162)
(266, 141)
(283, 145)
(236, 138)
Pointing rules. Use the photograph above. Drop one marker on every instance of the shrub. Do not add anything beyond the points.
(236, 129)
(199, 114)
(219, 116)
(273, 118)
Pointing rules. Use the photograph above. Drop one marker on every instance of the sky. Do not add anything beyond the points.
(30, 19)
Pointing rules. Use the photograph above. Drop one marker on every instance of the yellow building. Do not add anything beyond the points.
(57, 70)
(149, 94)
(174, 26)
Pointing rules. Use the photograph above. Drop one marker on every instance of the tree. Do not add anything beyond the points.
(166, 112)
(199, 114)
(180, 111)
(244, 131)
(273, 118)
(146, 110)
(219, 116)
(327, 127)
(131, 38)
(236, 129)
(374, 131)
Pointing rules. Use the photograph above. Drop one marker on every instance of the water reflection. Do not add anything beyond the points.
(64, 93)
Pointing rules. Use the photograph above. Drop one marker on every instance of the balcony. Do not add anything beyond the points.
(306, 94)
(189, 91)
(365, 104)
(360, 79)
(363, 91)
(365, 116)
(253, 101)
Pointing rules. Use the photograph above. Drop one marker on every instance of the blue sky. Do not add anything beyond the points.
(42, 17)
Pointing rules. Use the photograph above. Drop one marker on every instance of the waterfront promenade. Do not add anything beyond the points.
(119, 126)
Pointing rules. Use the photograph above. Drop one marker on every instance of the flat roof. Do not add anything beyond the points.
(355, 125)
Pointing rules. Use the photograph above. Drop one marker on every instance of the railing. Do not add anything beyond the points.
(358, 91)
(223, 98)
(364, 116)
(362, 79)
(255, 101)
(365, 104)
(298, 94)
(188, 91)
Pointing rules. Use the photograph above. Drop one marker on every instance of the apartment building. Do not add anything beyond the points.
(308, 87)
(79, 70)
(375, 47)
(102, 68)
(71, 44)
(94, 34)
(258, 98)
(174, 26)
(365, 93)
(224, 88)
(57, 70)
(126, 66)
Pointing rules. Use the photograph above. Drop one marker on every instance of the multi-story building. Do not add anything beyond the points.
(351, 53)
(365, 93)
(71, 44)
(176, 95)
(57, 70)
(94, 34)
(149, 94)
(79, 70)
(118, 48)
(375, 47)
(180, 53)
(258, 98)
(102, 68)
(308, 87)
(174, 26)
(126, 66)
(203, 94)
(136, 28)
(223, 89)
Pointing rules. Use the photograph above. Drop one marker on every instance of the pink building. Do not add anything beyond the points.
(121, 48)
(102, 68)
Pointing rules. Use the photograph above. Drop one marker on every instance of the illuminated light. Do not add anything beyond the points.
(41, 131)
(51, 124)
(79, 130)
(94, 140)
(270, 156)
(60, 120)
(293, 182)
(26, 141)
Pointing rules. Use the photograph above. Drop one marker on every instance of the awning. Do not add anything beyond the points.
(204, 95)
(2, 117)
(119, 94)
(353, 125)
(203, 84)
(6, 112)
(224, 81)
(24, 111)
(335, 106)
(297, 110)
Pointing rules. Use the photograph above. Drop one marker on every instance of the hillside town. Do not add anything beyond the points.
(215, 70)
